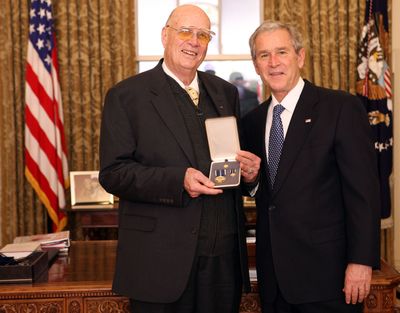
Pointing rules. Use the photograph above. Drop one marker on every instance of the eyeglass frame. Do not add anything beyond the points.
(190, 29)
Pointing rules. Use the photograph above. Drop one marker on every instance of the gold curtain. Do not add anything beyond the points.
(96, 48)
(331, 31)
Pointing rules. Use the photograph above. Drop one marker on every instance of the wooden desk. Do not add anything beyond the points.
(382, 297)
(78, 283)
(82, 281)
(93, 219)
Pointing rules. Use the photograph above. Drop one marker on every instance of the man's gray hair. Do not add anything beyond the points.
(269, 26)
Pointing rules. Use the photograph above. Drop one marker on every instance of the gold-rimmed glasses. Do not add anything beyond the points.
(186, 33)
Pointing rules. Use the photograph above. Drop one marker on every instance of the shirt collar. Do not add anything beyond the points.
(291, 99)
(194, 84)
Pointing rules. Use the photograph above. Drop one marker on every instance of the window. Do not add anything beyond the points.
(233, 21)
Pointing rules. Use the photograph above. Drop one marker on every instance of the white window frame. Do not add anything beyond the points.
(209, 57)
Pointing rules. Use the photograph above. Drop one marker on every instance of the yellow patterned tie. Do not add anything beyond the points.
(193, 94)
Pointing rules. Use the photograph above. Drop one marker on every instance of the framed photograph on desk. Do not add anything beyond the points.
(86, 191)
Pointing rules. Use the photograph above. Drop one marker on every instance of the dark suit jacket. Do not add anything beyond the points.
(324, 210)
(144, 153)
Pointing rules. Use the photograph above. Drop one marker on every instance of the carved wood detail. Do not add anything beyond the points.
(380, 300)
(59, 294)
(387, 300)
(250, 303)
(33, 306)
(74, 305)
(107, 305)
(371, 302)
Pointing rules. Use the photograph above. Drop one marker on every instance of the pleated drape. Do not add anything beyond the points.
(331, 30)
(96, 49)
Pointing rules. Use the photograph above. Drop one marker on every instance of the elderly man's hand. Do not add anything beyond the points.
(195, 184)
(357, 282)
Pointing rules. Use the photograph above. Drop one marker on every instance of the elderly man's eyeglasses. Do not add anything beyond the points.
(186, 33)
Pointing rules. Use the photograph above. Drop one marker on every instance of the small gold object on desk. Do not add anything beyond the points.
(223, 141)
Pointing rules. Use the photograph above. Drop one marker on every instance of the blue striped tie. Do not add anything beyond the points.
(276, 139)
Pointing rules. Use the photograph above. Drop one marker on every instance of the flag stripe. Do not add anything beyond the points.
(388, 83)
(44, 124)
(46, 120)
(43, 184)
(38, 114)
(45, 149)
(36, 131)
(43, 197)
(61, 149)
(36, 65)
(46, 166)
(42, 164)
(47, 85)
(42, 127)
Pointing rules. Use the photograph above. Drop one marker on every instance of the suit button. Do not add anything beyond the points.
(193, 231)
(271, 208)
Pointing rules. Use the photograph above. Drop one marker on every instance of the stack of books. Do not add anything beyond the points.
(59, 241)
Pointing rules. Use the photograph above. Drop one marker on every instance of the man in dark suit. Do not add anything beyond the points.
(181, 242)
(317, 197)
(248, 99)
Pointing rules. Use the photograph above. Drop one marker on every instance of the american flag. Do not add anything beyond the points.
(46, 165)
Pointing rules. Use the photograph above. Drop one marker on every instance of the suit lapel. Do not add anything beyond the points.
(217, 98)
(304, 117)
(163, 101)
(263, 116)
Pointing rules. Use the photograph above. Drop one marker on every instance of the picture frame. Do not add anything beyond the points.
(86, 191)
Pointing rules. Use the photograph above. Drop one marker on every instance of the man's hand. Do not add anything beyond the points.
(195, 184)
(249, 164)
(357, 282)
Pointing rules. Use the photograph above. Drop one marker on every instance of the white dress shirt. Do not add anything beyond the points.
(194, 84)
(289, 103)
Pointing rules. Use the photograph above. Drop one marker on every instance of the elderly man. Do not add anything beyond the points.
(182, 245)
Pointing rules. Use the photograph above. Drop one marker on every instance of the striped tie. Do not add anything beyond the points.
(276, 139)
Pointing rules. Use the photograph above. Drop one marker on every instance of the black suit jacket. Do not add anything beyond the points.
(144, 153)
(324, 210)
